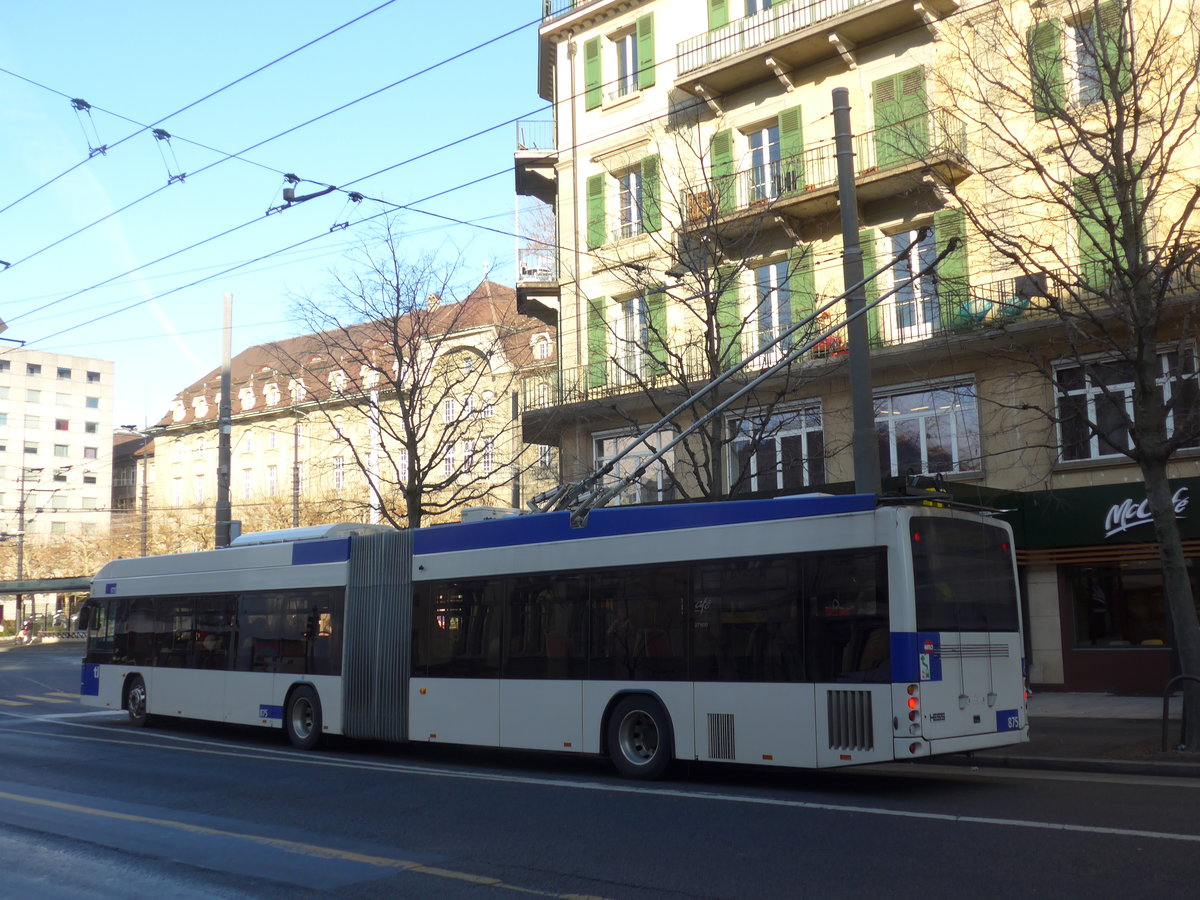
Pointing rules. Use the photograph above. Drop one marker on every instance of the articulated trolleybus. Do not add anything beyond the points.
(809, 631)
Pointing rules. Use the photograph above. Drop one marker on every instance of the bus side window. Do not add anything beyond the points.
(847, 633)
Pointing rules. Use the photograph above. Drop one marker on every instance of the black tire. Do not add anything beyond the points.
(638, 737)
(136, 702)
(302, 718)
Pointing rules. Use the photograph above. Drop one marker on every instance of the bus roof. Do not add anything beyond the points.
(539, 528)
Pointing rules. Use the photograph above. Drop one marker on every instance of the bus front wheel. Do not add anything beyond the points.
(135, 701)
(302, 718)
(639, 737)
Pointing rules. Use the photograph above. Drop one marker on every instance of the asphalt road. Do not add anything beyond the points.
(90, 806)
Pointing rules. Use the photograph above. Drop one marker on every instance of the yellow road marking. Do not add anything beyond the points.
(297, 847)
(62, 694)
(45, 698)
(12, 703)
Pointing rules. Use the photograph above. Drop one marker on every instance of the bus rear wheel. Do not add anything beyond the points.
(302, 718)
(135, 701)
(639, 737)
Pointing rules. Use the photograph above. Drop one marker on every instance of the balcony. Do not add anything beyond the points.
(537, 283)
(535, 160)
(888, 162)
(794, 35)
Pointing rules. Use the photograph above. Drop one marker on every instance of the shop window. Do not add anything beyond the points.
(1122, 605)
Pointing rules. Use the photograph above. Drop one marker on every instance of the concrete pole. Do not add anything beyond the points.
(865, 443)
(224, 514)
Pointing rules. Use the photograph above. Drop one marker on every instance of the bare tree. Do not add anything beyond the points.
(414, 381)
(1085, 116)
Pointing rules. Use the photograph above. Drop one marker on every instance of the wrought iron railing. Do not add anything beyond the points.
(536, 134)
(753, 31)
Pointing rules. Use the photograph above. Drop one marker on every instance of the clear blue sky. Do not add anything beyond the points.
(145, 60)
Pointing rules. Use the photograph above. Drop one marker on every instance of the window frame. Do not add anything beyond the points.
(962, 430)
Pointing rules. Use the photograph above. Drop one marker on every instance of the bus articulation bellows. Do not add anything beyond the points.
(810, 631)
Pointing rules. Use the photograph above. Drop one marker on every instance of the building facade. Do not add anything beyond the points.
(692, 169)
(55, 444)
(337, 426)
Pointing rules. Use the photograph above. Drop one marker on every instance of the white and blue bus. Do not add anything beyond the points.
(809, 631)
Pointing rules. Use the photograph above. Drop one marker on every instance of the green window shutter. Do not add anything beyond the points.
(651, 195)
(718, 13)
(645, 51)
(595, 212)
(591, 73)
(791, 150)
(1116, 62)
(597, 342)
(866, 240)
(1046, 75)
(901, 118)
(729, 317)
(721, 162)
(656, 307)
(953, 281)
(802, 283)
(1095, 204)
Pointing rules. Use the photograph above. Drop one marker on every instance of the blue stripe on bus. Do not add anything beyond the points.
(89, 681)
(540, 528)
(930, 642)
(916, 656)
(308, 552)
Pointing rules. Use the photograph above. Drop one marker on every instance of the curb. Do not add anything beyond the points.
(1078, 764)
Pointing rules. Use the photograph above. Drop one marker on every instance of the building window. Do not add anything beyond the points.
(764, 163)
(1095, 402)
(93, 377)
(91, 452)
(61, 450)
(339, 473)
(90, 503)
(64, 374)
(655, 485)
(89, 479)
(625, 48)
(629, 203)
(31, 449)
(63, 399)
(272, 438)
(781, 451)
(632, 337)
(935, 430)
(62, 425)
(916, 302)
(33, 421)
(468, 405)
(5, 365)
(198, 482)
(774, 312)
(92, 402)
(402, 465)
(489, 405)
(60, 475)
(1122, 605)
(3, 418)
(177, 492)
(272, 480)
(1085, 71)
(541, 347)
(247, 483)
(33, 369)
(58, 527)
(448, 461)
(91, 427)
(33, 396)
(545, 456)
(448, 410)
(488, 457)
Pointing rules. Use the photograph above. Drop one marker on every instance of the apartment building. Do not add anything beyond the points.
(691, 167)
(55, 445)
(320, 432)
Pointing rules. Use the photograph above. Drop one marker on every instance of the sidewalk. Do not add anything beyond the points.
(1095, 733)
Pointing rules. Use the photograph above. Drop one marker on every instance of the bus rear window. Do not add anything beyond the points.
(963, 576)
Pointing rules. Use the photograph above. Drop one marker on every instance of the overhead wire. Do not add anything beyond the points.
(143, 128)
(410, 207)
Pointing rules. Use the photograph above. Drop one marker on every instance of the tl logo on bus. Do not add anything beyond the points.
(927, 649)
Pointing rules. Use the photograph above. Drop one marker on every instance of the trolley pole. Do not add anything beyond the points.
(865, 443)
(224, 512)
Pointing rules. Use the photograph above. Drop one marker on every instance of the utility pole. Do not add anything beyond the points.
(295, 467)
(224, 512)
(865, 443)
(145, 490)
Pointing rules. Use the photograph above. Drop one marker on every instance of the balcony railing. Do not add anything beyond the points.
(537, 135)
(933, 136)
(552, 9)
(537, 265)
(753, 31)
